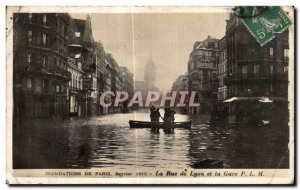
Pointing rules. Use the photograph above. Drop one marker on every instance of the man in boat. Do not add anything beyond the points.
(152, 110)
(169, 118)
(172, 119)
(172, 115)
(156, 116)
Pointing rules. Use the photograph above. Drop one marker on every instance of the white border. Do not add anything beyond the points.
(103, 2)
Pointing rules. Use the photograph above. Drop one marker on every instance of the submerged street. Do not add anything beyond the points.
(107, 141)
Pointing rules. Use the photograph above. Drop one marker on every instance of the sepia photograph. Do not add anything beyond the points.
(155, 95)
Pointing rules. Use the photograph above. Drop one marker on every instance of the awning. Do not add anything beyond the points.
(231, 99)
(265, 100)
(75, 45)
(77, 56)
(260, 99)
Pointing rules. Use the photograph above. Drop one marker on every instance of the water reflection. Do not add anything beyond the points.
(107, 141)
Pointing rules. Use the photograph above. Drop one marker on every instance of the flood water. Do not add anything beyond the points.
(107, 141)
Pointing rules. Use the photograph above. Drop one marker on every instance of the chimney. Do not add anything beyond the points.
(196, 44)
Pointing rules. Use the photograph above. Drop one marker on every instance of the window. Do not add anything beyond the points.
(57, 88)
(29, 58)
(271, 87)
(61, 46)
(78, 82)
(244, 70)
(271, 69)
(29, 84)
(79, 65)
(45, 85)
(194, 65)
(286, 54)
(45, 62)
(271, 51)
(206, 53)
(30, 17)
(29, 35)
(77, 34)
(44, 19)
(215, 86)
(285, 70)
(216, 45)
(279, 70)
(60, 64)
(55, 61)
(214, 75)
(256, 69)
(44, 39)
(62, 30)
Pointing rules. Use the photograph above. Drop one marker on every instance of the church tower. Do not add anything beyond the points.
(150, 73)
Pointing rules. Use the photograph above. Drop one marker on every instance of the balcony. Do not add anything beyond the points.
(258, 77)
(73, 88)
(51, 70)
(55, 70)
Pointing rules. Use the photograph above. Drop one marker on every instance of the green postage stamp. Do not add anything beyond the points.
(264, 22)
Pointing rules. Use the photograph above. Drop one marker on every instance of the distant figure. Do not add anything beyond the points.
(152, 113)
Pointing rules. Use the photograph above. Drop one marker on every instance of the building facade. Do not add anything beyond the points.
(40, 65)
(100, 75)
(253, 71)
(202, 74)
(114, 80)
(181, 84)
(82, 43)
(222, 66)
(76, 95)
(60, 70)
(128, 85)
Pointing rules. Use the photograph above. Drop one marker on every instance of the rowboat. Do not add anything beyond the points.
(147, 124)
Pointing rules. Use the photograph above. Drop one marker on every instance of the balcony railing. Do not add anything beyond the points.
(75, 88)
(254, 77)
(50, 70)
(59, 71)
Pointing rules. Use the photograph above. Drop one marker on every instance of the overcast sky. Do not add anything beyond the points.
(167, 37)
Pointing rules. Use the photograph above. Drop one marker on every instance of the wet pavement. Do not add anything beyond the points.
(107, 141)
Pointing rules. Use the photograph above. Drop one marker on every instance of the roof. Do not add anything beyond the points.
(205, 43)
(81, 31)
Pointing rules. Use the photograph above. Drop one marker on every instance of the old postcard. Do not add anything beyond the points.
(150, 95)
